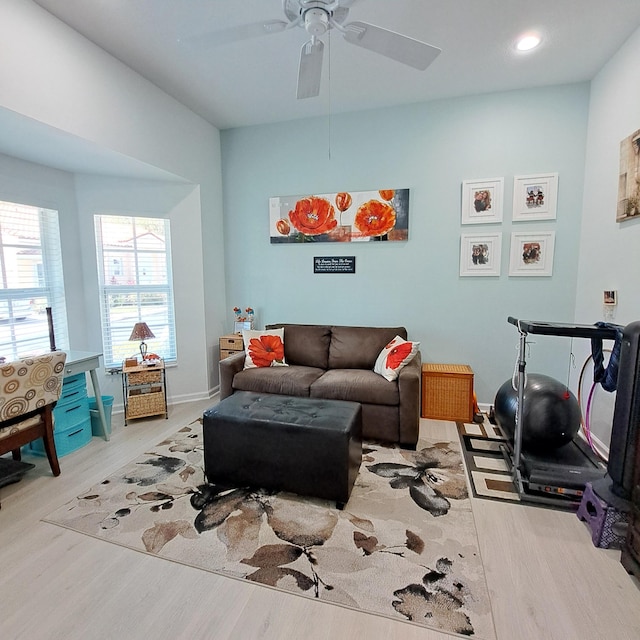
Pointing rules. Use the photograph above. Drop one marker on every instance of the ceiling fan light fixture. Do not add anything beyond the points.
(316, 22)
(528, 41)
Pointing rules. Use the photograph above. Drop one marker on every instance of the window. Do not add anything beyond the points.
(30, 281)
(134, 271)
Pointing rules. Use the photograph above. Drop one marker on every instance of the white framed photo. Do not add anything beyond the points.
(535, 197)
(480, 254)
(532, 253)
(482, 201)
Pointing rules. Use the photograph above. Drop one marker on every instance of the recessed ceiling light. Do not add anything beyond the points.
(528, 41)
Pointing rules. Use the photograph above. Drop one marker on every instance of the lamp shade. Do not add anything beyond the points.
(141, 331)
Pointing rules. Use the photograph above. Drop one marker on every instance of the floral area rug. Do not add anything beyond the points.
(405, 545)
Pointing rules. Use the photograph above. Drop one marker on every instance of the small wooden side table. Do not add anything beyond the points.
(447, 392)
(144, 391)
(230, 344)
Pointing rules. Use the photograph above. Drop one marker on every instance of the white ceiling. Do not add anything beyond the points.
(254, 81)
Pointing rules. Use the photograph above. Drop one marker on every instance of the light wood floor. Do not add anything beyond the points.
(546, 579)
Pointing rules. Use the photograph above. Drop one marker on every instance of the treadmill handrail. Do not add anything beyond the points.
(564, 329)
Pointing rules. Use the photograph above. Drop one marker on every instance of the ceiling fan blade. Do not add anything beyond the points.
(390, 44)
(235, 34)
(310, 70)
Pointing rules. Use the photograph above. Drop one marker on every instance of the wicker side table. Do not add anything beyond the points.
(447, 392)
(230, 344)
(144, 391)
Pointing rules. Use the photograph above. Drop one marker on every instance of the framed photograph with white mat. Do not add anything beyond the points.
(482, 201)
(535, 197)
(532, 253)
(480, 254)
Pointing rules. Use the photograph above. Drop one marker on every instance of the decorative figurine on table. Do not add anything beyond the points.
(243, 320)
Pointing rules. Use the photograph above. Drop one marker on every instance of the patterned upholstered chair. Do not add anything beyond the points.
(29, 389)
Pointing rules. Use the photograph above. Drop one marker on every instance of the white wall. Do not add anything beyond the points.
(53, 76)
(180, 203)
(429, 148)
(40, 186)
(609, 250)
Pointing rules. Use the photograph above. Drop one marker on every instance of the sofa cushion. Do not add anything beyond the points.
(358, 347)
(264, 348)
(395, 356)
(289, 381)
(357, 385)
(306, 344)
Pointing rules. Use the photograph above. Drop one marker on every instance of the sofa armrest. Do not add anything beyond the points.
(228, 369)
(409, 389)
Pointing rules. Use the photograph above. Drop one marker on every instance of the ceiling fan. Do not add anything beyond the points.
(319, 16)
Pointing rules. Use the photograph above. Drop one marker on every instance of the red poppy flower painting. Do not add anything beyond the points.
(398, 354)
(340, 216)
(265, 350)
(375, 218)
(313, 216)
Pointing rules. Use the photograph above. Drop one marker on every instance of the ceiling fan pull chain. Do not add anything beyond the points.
(329, 90)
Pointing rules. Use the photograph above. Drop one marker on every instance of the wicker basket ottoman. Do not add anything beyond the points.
(306, 446)
(447, 392)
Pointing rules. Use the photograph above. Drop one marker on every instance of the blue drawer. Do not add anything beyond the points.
(68, 414)
(72, 420)
(73, 387)
(72, 397)
(67, 440)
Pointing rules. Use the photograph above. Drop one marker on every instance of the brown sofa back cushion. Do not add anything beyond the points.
(306, 344)
(358, 347)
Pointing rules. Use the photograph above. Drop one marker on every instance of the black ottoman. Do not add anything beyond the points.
(306, 446)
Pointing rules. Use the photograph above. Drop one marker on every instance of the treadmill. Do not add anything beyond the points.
(558, 477)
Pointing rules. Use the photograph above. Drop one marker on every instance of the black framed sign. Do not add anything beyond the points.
(334, 264)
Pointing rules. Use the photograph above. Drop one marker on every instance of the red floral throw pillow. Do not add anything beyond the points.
(264, 348)
(395, 356)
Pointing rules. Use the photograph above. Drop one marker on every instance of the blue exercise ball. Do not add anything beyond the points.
(551, 413)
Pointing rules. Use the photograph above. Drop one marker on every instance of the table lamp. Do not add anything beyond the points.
(141, 332)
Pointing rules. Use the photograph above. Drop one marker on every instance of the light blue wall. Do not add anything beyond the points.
(429, 148)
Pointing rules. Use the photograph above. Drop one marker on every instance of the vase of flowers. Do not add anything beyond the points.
(243, 319)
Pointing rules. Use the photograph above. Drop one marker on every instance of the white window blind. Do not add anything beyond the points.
(136, 285)
(30, 281)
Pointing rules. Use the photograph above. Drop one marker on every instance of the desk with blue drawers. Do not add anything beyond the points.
(80, 362)
(71, 413)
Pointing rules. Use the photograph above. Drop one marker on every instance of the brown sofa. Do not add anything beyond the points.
(336, 363)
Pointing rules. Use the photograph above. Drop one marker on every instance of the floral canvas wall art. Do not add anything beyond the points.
(629, 178)
(356, 216)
